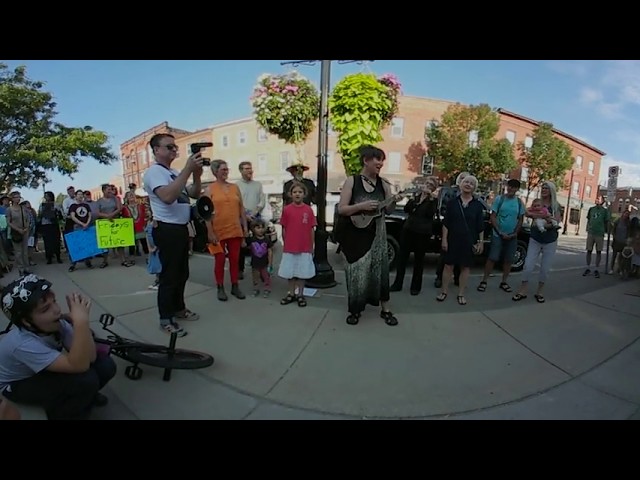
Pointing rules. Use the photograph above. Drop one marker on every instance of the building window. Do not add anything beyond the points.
(262, 135)
(524, 174)
(579, 162)
(262, 163)
(528, 142)
(574, 216)
(330, 160)
(592, 167)
(394, 162)
(284, 160)
(242, 137)
(473, 138)
(587, 192)
(427, 165)
(225, 141)
(397, 127)
(576, 188)
(511, 136)
(432, 123)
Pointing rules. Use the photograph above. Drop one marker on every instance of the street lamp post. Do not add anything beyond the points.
(566, 223)
(325, 277)
(584, 187)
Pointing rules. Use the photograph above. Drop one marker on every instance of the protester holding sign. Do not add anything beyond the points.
(110, 208)
(80, 215)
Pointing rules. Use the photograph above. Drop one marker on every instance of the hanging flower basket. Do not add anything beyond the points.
(361, 106)
(393, 92)
(286, 106)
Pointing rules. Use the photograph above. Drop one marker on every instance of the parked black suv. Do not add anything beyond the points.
(395, 222)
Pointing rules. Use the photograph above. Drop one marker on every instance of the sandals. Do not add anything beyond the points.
(518, 296)
(442, 297)
(482, 287)
(539, 298)
(462, 300)
(290, 298)
(505, 286)
(353, 318)
(126, 263)
(388, 318)
(302, 302)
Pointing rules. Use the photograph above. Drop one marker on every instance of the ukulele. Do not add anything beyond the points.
(364, 219)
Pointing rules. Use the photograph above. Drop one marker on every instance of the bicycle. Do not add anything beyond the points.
(170, 358)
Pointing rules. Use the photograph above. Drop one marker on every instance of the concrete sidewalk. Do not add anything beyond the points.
(575, 358)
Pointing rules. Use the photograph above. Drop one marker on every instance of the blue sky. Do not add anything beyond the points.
(595, 100)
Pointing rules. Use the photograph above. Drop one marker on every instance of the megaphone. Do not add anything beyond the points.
(203, 209)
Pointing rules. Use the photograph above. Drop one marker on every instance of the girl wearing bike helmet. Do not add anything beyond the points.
(48, 358)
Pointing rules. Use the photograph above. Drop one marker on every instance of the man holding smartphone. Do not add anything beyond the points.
(171, 207)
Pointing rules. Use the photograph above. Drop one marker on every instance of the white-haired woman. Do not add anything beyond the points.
(541, 243)
(462, 236)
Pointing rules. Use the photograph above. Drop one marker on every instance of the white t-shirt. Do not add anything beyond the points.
(178, 212)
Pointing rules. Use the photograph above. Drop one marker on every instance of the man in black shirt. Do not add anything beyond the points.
(297, 172)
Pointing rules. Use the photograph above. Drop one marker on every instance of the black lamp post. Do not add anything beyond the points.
(325, 277)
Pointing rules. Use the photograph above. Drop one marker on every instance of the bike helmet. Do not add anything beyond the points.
(20, 297)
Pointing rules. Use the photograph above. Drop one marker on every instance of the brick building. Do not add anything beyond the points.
(404, 143)
(581, 181)
(136, 154)
(626, 197)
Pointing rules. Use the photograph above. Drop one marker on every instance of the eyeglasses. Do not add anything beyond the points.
(172, 147)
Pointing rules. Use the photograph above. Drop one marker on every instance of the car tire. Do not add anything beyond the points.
(393, 249)
(521, 255)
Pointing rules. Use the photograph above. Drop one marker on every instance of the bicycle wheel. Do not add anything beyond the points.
(159, 357)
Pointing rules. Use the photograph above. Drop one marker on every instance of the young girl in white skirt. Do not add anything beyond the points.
(298, 223)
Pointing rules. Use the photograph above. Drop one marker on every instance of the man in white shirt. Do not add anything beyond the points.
(169, 200)
(253, 199)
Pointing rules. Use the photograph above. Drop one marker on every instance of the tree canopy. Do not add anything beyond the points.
(32, 143)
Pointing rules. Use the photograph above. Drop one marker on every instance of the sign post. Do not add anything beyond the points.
(612, 188)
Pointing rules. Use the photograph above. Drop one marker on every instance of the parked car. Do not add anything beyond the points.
(395, 222)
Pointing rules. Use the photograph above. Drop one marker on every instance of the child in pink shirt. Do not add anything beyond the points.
(298, 223)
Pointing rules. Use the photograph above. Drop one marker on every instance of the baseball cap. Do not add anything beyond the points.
(20, 297)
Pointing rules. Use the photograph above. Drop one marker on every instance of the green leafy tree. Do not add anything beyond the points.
(465, 140)
(32, 144)
(548, 158)
(361, 106)
(60, 198)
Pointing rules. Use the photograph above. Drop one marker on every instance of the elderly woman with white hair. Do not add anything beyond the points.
(462, 236)
(541, 242)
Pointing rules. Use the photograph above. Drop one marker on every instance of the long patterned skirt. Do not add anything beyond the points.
(367, 268)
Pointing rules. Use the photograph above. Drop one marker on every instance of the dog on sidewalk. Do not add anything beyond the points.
(624, 261)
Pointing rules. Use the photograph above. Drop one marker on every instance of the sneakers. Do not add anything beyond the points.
(173, 327)
(188, 315)
(587, 272)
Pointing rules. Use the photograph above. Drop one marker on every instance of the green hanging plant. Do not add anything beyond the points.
(286, 106)
(361, 106)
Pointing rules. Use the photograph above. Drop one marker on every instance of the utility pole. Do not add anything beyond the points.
(325, 276)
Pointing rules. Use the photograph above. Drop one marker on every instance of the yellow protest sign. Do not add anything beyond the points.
(115, 233)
